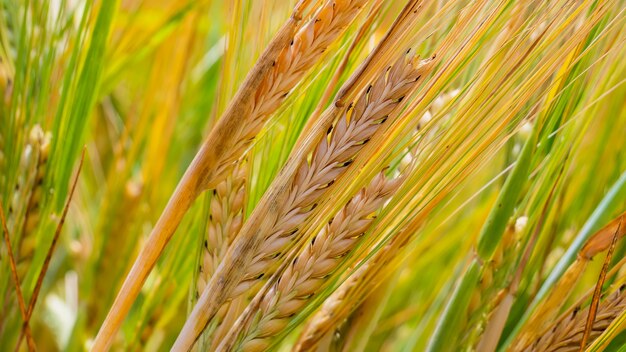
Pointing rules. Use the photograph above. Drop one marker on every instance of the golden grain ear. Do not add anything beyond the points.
(420, 175)
(568, 331)
(277, 71)
(291, 289)
(315, 177)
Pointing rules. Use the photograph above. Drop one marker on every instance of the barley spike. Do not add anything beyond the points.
(305, 276)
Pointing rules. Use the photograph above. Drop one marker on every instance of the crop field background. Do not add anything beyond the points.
(313, 175)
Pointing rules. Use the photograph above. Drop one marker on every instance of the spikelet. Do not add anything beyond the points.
(225, 219)
(226, 212)
(305, 277)
(565, 335)
(487, 301)
(24, 211)
(347, 297)
(333, 311)
(336, 308)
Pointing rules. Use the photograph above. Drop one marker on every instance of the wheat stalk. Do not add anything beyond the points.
(277, 71)
(566, 334)
(308, 44)
(289, 67)
(306, 275)
(253, 254)
(332, 157)
(547, 310)
(338, 306)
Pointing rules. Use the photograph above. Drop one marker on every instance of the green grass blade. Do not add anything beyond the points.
(446, 330)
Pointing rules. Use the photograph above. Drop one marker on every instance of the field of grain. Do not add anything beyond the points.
(313, 175)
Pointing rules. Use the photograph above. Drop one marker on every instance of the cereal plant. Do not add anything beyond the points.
(312, 175)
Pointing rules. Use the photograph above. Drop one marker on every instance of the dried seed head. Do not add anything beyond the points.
(330, 159)
(306, 275)
(307, 46)
(566, 334)
(24, 211)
